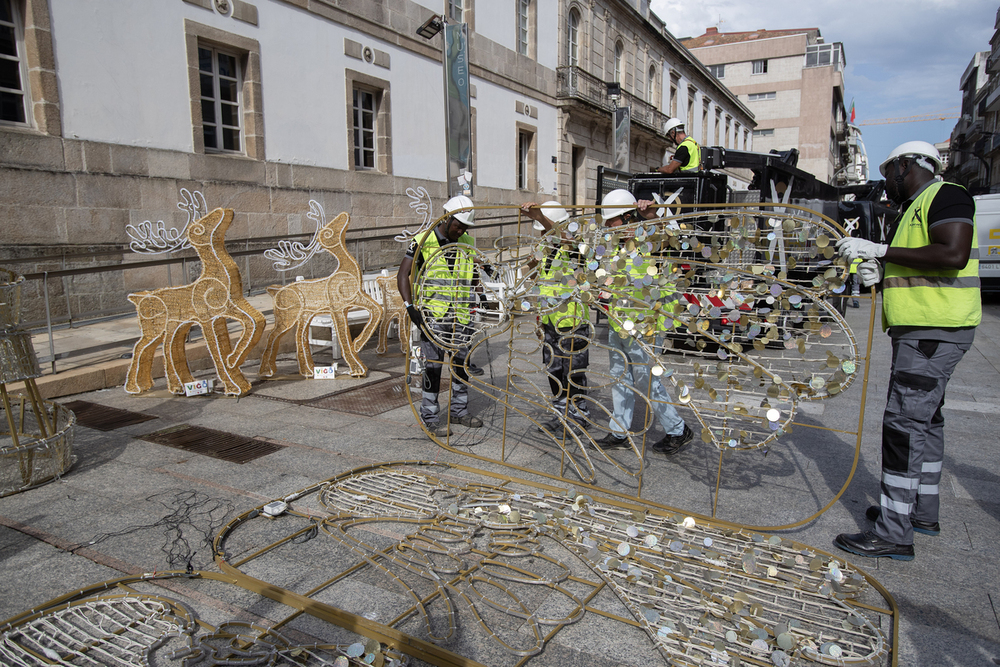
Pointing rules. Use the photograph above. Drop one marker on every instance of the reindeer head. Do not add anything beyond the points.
(332, 233)
(211, 229)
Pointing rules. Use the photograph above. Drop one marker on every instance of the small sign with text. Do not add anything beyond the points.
(198, 387)
(324, 372)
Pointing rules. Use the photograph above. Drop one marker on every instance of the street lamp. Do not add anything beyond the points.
(430, 27)
(614, 93)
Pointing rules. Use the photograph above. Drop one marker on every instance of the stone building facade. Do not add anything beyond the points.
(110, 108)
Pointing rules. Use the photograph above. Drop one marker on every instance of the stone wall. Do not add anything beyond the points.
(66, 204)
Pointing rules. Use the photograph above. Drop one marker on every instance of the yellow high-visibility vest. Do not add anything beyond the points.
(938, 298)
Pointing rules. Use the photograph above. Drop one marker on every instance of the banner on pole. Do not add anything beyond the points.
(458, 117)
(623, 116)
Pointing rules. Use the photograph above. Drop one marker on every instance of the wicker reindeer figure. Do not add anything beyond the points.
(393, 309)
(166, 316)
(297, 303)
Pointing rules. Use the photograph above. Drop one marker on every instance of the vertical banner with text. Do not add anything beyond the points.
(458, 117)
(623, 117)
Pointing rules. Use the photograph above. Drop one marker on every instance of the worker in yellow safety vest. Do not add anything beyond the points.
(565, 320)
(931, 306)
(446, 295)
(630, 325)
(687, 157)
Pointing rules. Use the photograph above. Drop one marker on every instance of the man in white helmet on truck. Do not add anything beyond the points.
(448, 297)
(931, 306)
(687, 157)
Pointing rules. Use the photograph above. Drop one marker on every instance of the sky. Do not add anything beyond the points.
(903, 58)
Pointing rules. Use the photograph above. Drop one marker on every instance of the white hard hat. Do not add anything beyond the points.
(916, 149)
(456, 207)
(673, 123)
(621, 200)
(556, 214)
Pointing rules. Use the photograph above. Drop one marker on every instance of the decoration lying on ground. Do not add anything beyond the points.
(126, 622)
(463, 551)
(297, 303)
(166, 316)
(392, 309)
(742, 291)
(36, 436)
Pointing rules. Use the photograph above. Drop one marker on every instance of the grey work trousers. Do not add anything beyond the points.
(566, 349)
(434, 356)
(913, 435)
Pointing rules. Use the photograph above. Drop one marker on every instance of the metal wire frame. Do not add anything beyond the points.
(116, 623)
(760, 367)
(703, 590)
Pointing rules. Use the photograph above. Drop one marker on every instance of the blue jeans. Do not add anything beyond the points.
(631, 363)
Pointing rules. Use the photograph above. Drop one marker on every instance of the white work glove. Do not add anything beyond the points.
(853, 249)
(870, 272)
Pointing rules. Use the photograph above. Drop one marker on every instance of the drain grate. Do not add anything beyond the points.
(104, 418)
(209, 442)
(369, 400)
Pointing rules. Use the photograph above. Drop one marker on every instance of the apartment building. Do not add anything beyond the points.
(793, 82)
(974, 148)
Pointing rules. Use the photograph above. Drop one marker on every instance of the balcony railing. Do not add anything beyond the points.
(575, 83)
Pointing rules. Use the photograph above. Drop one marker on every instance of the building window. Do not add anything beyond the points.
(760, 66)
(718, 126)
(764, 133)
(729, 125)
(455, 10)
(689, 125)
(573, 45)
(824, 55)
(225, 86)
(718, 71)
(527, 167)
(673, 100)
(364, 129)
(619, 56)
(759, 97)
(704, 122)
(651, 86)
(370, 126)
(220, 79)
(13, 96)
(524, 27)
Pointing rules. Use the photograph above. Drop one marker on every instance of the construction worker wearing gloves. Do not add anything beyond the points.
(449, 279)
(931, 306)
(628, 360)
(688, 154)
(566, 330)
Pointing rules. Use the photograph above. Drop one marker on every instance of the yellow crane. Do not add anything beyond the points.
(947, 114)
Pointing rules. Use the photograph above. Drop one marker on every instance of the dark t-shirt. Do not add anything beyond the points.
(682, 155)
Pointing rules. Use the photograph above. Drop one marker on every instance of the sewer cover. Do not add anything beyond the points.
(217, 444)
(370, 399)
(104, 418)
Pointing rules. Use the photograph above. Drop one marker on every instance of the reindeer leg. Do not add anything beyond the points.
(140, 371)
(175, 357)
(253, 328)
(372, 306)
(267, 360)
(302, 350)
(358, 369)
(217, 339)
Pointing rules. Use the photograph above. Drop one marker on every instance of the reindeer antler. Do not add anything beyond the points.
(292, 254)
(154, 238)
(420, 202)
